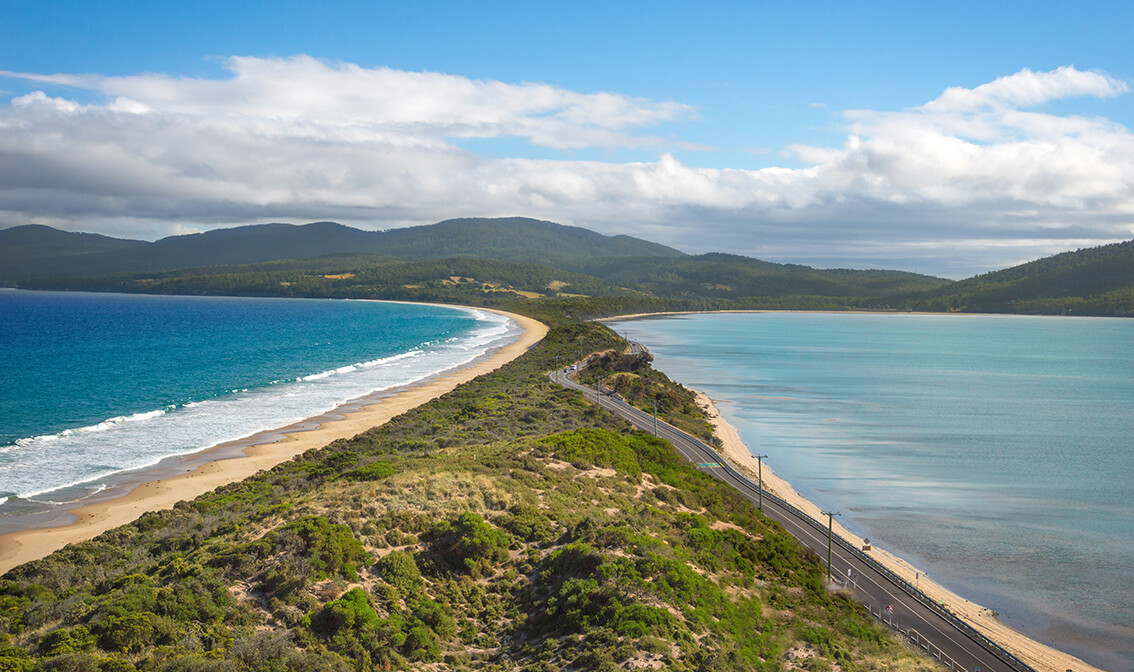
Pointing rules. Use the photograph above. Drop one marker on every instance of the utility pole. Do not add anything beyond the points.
(830, 517)
(655, 416)
(760, 476)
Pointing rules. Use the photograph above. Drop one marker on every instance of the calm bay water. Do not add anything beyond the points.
(995, 452)
(98, 384)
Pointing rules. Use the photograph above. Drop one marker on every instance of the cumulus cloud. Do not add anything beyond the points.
(974, 179)
(979, 150)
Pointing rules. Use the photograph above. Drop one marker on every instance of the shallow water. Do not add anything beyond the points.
(995, 452)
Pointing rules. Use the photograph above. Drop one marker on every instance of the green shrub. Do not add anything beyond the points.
(72, 662)
(825, 642)
(421, 644)
(529, 524)
(329, 548)
(113, 664)
(436, 616)
(651, 644)
(864, 633)
(193, 600)
(400, 570)
(638, 620)
(599, 447)
(352, 611)
(67, 641)
(387, 595)
(15, 659)
(468, 543)
(128, 634)
(351, 626)
(375, 471)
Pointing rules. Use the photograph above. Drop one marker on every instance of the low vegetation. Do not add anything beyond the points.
(636, 382)
(508, 525)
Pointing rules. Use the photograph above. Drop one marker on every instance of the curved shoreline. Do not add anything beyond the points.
(257, 453)
(1040, 656)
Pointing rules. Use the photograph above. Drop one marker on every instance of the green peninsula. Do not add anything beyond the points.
(508, 525)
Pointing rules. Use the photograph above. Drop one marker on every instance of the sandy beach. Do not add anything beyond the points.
(1040, 656)
(93, 519)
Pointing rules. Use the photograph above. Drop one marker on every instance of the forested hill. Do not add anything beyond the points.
(478, 260)
(34, 252)
(734, 277)
(515, 239)
(41, 251)
(1092, 281)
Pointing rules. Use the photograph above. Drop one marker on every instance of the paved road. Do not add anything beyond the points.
(956, 644)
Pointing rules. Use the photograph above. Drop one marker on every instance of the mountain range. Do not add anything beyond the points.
(36, 251)
(536, 258)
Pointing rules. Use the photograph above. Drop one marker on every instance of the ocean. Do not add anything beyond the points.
(98, 386)
(994, 452)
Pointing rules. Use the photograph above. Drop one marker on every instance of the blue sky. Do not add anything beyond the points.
(729, 127)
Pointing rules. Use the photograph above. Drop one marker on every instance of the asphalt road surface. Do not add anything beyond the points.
(890, 598)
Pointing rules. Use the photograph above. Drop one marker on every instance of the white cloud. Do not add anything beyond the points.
(299, 139)
(1028, 89)
(345, 101)
(972, 148)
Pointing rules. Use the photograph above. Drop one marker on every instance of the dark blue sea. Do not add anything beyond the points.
(994, 452)
(96, 385)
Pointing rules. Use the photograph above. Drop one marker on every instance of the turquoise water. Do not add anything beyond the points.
(995, 452)
(96, 385)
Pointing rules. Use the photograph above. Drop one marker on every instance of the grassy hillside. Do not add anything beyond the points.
(508, 525)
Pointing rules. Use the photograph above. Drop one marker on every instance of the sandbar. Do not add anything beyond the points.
(1040, 656)
(93, 519)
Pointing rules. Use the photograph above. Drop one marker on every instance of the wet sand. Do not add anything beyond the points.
(228, 463)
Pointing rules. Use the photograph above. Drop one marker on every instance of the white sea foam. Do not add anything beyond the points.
(115, 421)
(109, 423)
(43, 464)
(353, 367)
